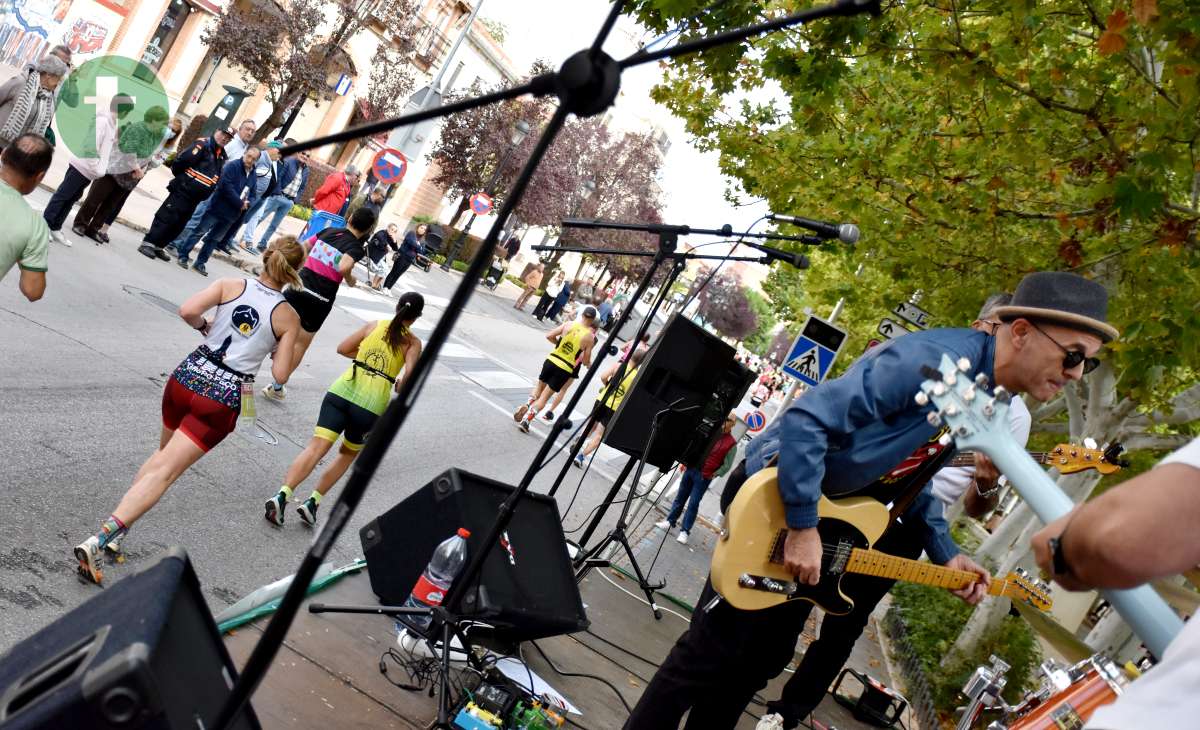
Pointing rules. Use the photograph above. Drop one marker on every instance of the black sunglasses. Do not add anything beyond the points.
(1072, 358)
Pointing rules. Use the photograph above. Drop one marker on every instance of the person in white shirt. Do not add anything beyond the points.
(1142, 529)
(245, 132)
(83, 169)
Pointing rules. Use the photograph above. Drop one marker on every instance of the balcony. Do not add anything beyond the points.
(431, 45)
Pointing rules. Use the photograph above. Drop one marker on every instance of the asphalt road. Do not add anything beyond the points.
(81, 377)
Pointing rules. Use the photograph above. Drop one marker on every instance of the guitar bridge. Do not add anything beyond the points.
(767, 585)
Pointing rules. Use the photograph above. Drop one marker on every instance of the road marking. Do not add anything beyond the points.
(453, 349)
(497, 379)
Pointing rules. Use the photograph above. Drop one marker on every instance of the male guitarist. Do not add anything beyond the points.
(843, 438)
(977, 486)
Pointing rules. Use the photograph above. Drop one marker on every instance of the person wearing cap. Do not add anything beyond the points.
(292, 176)
(196, 170)
(331, 197)
(573, 342)
(864, 434)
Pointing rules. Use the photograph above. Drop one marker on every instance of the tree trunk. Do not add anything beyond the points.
(1112, 637)
(579, 272)
(275, 120)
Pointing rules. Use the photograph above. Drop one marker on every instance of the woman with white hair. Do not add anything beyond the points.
(27, 99)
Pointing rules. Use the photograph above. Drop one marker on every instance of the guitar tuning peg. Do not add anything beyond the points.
(989, 408)
(950, 378)
(1002, 395)
(963, 364)
(981, 380)
(935, 419)
(963, 432)
(945, 439)
(939, 389)
(951, 410)
(969, 394)
(921, 398)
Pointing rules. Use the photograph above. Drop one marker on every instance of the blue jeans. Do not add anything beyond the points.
(691, 491)
(274, 208)
(212, 229)
(191, 224)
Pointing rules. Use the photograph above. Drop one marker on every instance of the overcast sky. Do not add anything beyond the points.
(553, 29)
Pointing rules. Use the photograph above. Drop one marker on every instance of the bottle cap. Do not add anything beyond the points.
(464, 532)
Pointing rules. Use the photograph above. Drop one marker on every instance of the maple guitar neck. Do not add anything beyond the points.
(873, 562)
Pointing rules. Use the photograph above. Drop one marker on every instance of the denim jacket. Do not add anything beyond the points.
(844, 434)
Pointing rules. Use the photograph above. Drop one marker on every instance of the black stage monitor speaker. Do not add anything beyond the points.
(692, 372)
(143, 654)
(527, 589)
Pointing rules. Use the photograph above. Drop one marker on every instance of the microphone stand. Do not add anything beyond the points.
(586, 84)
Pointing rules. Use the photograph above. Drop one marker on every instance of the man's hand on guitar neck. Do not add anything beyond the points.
(975, 592)
(802, 555)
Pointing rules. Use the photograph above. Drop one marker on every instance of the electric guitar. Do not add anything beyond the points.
(747, 565)
(1065, 458)
(979, 420)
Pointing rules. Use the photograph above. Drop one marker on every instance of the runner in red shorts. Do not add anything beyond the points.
(203, 398)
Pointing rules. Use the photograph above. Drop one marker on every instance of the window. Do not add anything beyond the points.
(164, 36)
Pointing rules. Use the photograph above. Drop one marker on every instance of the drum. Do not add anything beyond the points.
(1069, 696)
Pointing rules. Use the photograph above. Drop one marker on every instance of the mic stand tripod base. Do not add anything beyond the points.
(588, 560)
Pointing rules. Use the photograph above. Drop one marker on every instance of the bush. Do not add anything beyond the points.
(933, 618)
(459, 265)
(301, 212)
(438, 259)
(421, 218)
(191, 132)
(516, 281)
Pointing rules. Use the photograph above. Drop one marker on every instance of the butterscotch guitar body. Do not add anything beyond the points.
(754, 530)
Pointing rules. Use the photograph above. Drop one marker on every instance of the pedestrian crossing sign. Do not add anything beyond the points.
(812, 354)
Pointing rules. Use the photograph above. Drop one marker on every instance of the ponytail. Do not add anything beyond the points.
(408, 308)
(282, 260)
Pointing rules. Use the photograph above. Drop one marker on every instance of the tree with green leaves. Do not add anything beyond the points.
(759, 341)
(973, 143)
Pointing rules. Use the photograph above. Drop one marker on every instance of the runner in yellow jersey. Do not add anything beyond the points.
(354, 403)
(573, 342)
(605, 408)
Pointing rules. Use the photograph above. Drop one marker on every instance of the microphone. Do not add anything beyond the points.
(844, 232)
(798, 260)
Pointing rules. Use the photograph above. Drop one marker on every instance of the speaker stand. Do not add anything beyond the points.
(618, 536)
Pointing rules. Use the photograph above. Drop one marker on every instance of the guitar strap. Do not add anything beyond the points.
(919, 479)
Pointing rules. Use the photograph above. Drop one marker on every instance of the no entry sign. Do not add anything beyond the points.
(389, 166)
(481, 204)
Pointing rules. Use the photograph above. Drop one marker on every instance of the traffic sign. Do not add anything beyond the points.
(389, 166)
(913, 314)
(755, 421)
(812, 354)
(481, 204)
(891, 329)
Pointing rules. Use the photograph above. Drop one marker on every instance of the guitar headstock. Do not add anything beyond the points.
(1071, 458)
(977, 420)
(1021, 585)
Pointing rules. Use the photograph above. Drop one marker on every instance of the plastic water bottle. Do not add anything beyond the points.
(445, 565)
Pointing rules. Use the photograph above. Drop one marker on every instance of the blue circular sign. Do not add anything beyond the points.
(481, 204)
(755, 420)
(389, 166)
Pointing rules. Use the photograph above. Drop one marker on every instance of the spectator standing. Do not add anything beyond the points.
(137, 144)
(24, 237)
(560, 301)
(373, 200)
(696, 479)
(293, 177)
(585, 292)
(377, 248)
(548, 296)
(265, 183)
(230, 198)
(166, 149)
(82, 170)
(27, 99)
(532, 280)
(196, 171)
(331, 197)
(234, 148)
(511, 248)
(412, 246)
(606, 310)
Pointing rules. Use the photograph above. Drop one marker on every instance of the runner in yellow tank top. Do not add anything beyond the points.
(353, 403)
(605, 408)
(573, 342)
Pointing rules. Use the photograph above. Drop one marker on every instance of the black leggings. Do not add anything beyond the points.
(399, 266)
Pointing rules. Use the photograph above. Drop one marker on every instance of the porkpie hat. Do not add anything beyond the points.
(1061, 298)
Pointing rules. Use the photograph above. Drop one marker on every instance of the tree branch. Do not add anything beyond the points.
(1156, 442)
(1074, 410)
(1050, 410)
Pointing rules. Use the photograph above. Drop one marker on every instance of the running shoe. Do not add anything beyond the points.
(549, 416)
(579, 461)
(683, 537)
(88, 555)
(308, 512)
(521, 412)
(113, 548)
(275, 395)
(523, 426)
(274, 507)
(60, 237)
(663, 525)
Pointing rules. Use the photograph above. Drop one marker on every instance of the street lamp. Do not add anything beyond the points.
(520, 131)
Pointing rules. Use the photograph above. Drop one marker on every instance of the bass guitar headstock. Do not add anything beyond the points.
(1071, 458)
(976, 419)
(1021, 585)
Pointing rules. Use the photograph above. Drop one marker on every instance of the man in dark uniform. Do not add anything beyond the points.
(196, 170)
